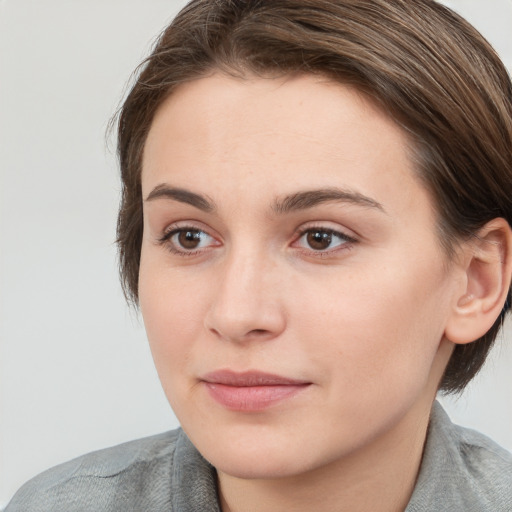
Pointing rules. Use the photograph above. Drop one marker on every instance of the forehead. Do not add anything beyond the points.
(275, 134)
(300, 105)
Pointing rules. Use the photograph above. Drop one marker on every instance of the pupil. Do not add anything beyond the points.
(189, 239)
(319, 240)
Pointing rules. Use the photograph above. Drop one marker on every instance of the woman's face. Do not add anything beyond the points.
(292, 284)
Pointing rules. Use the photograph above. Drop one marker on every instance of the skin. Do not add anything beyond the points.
(361, 319)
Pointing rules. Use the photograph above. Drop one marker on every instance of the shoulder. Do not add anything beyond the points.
(462, 470)
(487, 466)
(476, 447)
(130, 476)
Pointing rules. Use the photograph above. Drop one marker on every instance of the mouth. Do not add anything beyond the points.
(251, 391)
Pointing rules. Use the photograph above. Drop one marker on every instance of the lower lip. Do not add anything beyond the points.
(252, 398)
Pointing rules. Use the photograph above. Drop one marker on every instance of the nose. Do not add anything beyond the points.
(247, 303)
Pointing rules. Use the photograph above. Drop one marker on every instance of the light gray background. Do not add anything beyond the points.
(75, 370)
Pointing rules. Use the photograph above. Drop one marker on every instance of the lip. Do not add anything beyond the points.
(252, 390)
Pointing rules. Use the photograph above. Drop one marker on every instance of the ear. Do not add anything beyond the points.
(487, 266)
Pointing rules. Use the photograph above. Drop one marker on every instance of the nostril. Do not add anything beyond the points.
(257, 332)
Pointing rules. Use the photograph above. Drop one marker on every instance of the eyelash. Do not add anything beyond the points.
(166, 240)
(347, 241)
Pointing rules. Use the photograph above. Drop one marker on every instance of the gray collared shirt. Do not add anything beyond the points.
(461, 470)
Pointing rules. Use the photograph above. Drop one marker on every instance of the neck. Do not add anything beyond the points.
(381, 477)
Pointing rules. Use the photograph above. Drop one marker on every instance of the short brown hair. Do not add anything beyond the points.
(424, 65)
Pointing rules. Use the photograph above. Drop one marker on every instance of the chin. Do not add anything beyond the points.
(260, 452)
(260, 467)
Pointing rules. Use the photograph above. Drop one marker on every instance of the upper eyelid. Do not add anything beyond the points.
(340, 232)
(343, 236)
(183, 225)
(326, 226)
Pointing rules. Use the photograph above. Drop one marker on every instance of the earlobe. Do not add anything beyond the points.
(488, 269)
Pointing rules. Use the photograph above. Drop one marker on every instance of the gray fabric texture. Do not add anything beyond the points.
(461, 470)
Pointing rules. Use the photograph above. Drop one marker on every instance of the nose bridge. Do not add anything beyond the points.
(246, 303)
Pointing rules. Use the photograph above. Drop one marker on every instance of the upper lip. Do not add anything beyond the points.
(249, 378)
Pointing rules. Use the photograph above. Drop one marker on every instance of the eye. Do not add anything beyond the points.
(187, 240)
(322, 239)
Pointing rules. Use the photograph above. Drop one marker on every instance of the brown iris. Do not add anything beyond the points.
(189, 239)
(319, 240)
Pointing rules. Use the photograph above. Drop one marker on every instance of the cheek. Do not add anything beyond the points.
(171, 323)
(172, 313)
(380, 330)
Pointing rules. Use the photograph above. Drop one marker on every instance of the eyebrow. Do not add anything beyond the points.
(181, 195)
(294, 202)
(310, 198)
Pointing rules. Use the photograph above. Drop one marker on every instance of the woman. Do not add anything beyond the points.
(316, 225)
